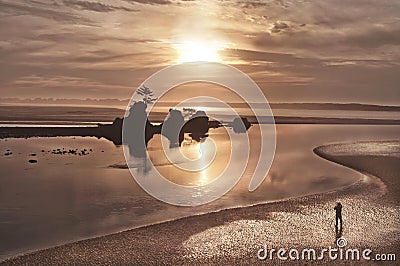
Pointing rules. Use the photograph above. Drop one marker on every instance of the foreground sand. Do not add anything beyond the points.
(371, 216)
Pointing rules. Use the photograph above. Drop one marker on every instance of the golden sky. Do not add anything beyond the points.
(295, 50)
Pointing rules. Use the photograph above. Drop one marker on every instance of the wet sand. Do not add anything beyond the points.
(371, 220)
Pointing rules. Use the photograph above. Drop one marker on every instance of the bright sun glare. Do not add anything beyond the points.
(193, 51)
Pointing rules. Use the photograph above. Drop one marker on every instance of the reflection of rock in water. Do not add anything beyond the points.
(171, 128)
(137, 125)
(240, 125)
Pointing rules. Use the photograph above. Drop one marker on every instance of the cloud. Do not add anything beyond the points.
(352, 41)
(103, 57)
(273, 58)
(57, 81)
(90, 37)
(151, 2)
(295, 50)
(51, 12)
(279, 26)
(262, 4)
(295, 78)
(252, 4)
(94, 6)
(374, 37)
(67, 85)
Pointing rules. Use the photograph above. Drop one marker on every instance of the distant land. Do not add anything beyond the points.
(21, 120)
(122, 103)
(53, 101)
(84, 115)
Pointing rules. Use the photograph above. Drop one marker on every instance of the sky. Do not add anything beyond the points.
(295, 50)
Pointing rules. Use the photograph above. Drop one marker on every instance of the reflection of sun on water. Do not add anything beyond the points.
(204, 148)
(190, 150)
(199, 152)
(194, 151)
(194, 51)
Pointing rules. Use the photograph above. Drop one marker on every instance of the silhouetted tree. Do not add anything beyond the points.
(147, 94)
(189, 111)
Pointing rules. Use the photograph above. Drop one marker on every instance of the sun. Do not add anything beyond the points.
(194, 51)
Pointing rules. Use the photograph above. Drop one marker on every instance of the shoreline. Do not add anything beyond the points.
(283, 200)
(349, 191)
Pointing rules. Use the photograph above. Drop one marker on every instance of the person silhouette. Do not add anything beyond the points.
(338, 209)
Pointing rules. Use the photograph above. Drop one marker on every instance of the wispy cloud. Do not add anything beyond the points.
(151, 2)
(50, 11)
(279, 26)
(294, 49)
(75, 85)
(95, 6)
